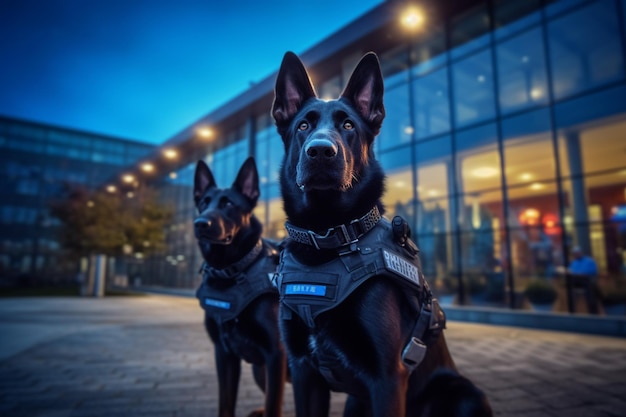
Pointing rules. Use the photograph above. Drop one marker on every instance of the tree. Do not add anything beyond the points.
(105, 223)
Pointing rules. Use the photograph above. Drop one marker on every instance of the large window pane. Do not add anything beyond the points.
(479, 179)
(585, 58)
(432, 105)
(528, 148)
(521, 72)
(473, 89)
(430, 53)
(593, 147)
(397, 128)
(483, 274)
(398, 198)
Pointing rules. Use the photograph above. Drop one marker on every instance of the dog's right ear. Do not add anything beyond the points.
(247, 181)
(293, 88)
(203, 180)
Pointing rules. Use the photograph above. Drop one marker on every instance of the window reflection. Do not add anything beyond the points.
(398, 195)
(432, 105)
(583, 59)
(483, 271)
(397, 128)
(479, 179)
(473, 89)
(521, 72)
(593, 147)
(528, 150)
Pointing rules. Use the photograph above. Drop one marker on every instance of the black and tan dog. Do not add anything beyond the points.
(239, 299)
(356, 313)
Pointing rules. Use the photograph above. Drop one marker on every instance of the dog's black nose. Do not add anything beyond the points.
(321, 148)
(201, 225)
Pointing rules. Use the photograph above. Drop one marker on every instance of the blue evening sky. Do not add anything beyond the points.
(146, 69)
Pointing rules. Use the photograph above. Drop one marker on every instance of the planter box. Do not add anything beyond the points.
(615, 310)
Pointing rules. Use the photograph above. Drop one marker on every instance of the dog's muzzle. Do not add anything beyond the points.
(206, 229)
(321, 149)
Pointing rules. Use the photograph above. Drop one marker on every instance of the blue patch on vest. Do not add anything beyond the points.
(224, 305)
(305, 289)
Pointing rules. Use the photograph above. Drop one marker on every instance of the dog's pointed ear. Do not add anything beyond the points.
(203, 180)
(247, 182)
(365, 91)
(293, 88)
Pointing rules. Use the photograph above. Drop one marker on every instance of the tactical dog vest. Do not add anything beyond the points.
(225, 293)
(309, 290)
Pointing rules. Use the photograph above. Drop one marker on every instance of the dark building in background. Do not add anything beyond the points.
(504, 143)
(37, 162)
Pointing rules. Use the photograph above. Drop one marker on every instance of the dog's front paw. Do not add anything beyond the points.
(257, 413)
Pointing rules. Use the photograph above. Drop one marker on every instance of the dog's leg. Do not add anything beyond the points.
(275, 376)
(228, 368)
(310, 391)
(228, 373)
(389, 395)
(356, 407)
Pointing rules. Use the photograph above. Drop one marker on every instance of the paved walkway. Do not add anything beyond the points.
(149, 356)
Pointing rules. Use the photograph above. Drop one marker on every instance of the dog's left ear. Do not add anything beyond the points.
(247, 182)
(293, 89)
(365, 91)
(202, 181)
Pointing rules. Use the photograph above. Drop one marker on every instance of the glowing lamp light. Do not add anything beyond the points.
(173, 175)
(111, 188)
(529, 217)
(537, 186)
(170, 153)
(485, 172)
(536, 93)
(205, 132)
(525, 176)
(551, 224)
(412, 18)
(128, 178)
(147, 167)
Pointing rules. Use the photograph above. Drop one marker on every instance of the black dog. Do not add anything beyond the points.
(239, 299)
(356, 313)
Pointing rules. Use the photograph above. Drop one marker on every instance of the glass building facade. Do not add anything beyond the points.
(504, 144)
(37, 162)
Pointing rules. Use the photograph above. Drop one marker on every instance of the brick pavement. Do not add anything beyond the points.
(149, 356)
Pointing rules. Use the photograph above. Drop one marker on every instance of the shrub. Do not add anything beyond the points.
(540, 291)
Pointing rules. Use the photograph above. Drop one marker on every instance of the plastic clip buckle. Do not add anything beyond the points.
(413, 354)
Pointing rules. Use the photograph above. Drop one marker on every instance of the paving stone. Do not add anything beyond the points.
(150, 356)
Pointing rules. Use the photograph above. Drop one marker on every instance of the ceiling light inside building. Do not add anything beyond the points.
(485, 172)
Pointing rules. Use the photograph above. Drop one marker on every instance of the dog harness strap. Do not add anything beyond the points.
(232, 270)
(323, 287)
(338, 236)
(226, 302)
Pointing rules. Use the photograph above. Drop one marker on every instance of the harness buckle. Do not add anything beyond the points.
(312, 235)
(413, 353)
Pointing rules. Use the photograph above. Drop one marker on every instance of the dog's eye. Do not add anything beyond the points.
(303, 126)
(348, 125)
(226, 203)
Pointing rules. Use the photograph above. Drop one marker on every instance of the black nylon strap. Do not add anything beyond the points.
(338, 236)
(239, 266)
